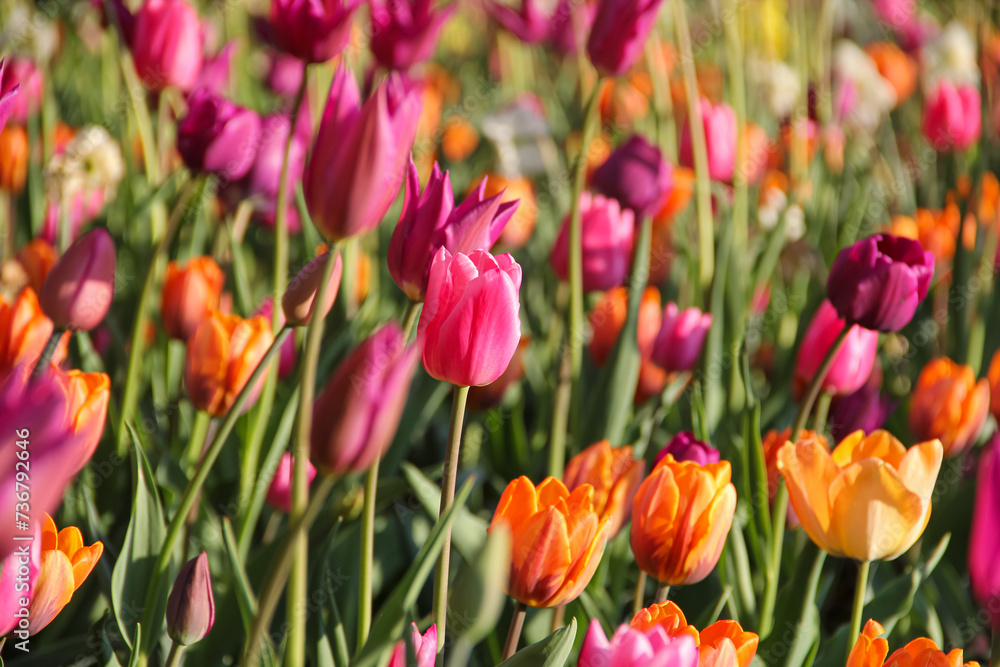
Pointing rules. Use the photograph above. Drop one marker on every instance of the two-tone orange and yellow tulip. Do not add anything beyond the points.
(948, 404)
(615, 475)
(870, 650)
(723, 644)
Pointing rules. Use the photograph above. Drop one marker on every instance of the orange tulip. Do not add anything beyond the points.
(681, 516)
(667, 615)
(221, 356)
(13, 158)
(870, 649)
(935, 230)
(772, 444)
(64, 565)
(88, 400)
(557, 540)
(994, 379)
(24, 331)
(679, 197)
(608, 317)
(615, 475)
(899, 69)
(37, 257)
(190, 293)
(726, 644)
(522, 224)
(459, 139)
(989, 199)
(869, 499)
(948, 404)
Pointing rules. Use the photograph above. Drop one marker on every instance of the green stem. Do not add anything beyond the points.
(859, 604)
(822, 410)
(662, 593)
(640, 593)
(367, 554)
(817, 383)
(50, 349)
(560, 414)
(410, 319)
(174, 657)
(995, 649)
(199, 430)
(447, 500)
(514, 632)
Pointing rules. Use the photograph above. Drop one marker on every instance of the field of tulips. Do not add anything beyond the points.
(434, 333)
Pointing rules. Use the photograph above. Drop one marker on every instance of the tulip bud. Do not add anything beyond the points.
(297, 303)
(217, 136)
(312, 31)
(424, 648)
(636, 175)
(191, 607)
(21, 85)
(948, 403)
(606, 242)
(190, 294)
(852, 364)
(681, 338)
(953, 117)
(984, 539)
(78, 291)
(166, 44)
(279, 492)
(686, 447)
(618, 33)
(719, 121)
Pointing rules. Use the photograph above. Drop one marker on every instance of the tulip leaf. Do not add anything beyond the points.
(478, 594)
(390, 623)
(133, 660)
(470, 530)
(245, 598)
(553, 651)
(796, 620)
(145, 535)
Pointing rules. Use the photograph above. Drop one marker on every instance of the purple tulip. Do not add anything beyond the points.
(879, 281)
(217, 136)
(607, 243)
(21, 84)
(405, 32)
(77, 292)
(681, 338)
(264, 178)
(636, 175)
(359, 158)
(356, 416)
(9, 88)
(166, 44)
(431, 221)
(630, 647)
(619, 31)
(852, 364)
(864, 410)
(312, 30)
(686, 447)
(191, 606)
(984, 539)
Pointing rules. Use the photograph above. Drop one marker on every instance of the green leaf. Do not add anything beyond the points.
(133, 660)
(146, 532)
(553, 651)
(796, 619)
(478, 594)
(470, 530)
(245, 598)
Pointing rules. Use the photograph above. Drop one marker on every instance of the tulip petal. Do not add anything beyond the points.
(809, 470)
(540, 558)
(517, 504)
(83, 562)
(53, 590)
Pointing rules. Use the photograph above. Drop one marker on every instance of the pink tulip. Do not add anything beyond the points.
(897, 14)
(359, 157)
(84, 207)
(262, 182)
(166, 44)
(405, 32)
(9, 90)
(719, 121)
(424, 648)
(952, 117)
(27, 559)
(431, 221)
(630, 647)
(217, 136)
(356, 416)
(287, 356)
(681, 338)
(298, 302)
(854, 362)
(470, 323)
(570, 26)
(279, 493)
(78, 290)
(530, 23)
(217, 71)
(22, 74)
(984, 539)
(607, 243)
(285, 73)
(312, 30)
(619, 31)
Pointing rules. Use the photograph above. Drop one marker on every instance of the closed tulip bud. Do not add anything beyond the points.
(607, 243)
(190, 294)
(686, 447)
(279, 492)
(667, 616)
(356, 416)
(491, 395)
(470, 323)
(166, 44)
(618, 33)
(878, 282)
(851, 366)
(681, 338)
(405, 33)
(719, 121)
(953, 117)
(630, 647)
(680, 519)
(615, 475)
(221, 356)
(312, 31)
(726, 644)
(217, 136)
(557, 540)
(191, 606)
(636, 175)
(948, 404)
(869, 649)
(993, 376)
(424, 648)
(299, 298)
(24, 330)
(868, 499)
(864, 410)
(984, 539)
(77, 292)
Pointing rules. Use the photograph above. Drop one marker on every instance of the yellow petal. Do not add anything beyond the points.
(809, 470)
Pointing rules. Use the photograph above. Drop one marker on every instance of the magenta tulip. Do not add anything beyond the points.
(166, 44)
(719, 121)
(356, 416)
(607, 243)
(299, 299)
(9, 89)
(631, 647)
(279, 492)
(191, 605)
(312, 30)
(217, 136)
(264, 178)
(570, 26)
(686, 447)
(636, 175)
(217, 71)
(470, 323)
(681, 338)
(284, 75)
(530, 23)
(620, 29)
(18, 569)
(854, 362)
(359, 158)
(431, 221)
(21, 86)
(77, 292)
(984, 538)
(424, 648)
(953, 117)
(405, 32)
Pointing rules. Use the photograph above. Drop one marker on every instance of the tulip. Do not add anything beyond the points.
(852, 364)
(311, 30)
(13, 158)
(570, 26)
(216, 72)
(636, 175)
(191, 606)
(895, 13)
(864, 410)
(531, 23)
(948, 404)
(630, 647)
(190, 294)
(77, 292)
(608, 317)
(405, 33)
(284, 75)
(681, 337)
(166, 44)
(607, 243)
(869, 499)
(88, 410)
(470, 323)
(879, 281)
(686, 447)
(514, 189)
(217, 136)
(615, 475)
(431, 221)
(952, 117)
(24, 330)
(9, 88)
(896, 67)
(557, 540)
(287, 356)
(21, 90)
(719, 121)
(221, 356)
(263, 180)
(358, 159)
(668, 616)
(983, 538)
(619, 31)
(924, 651)
(492, 394)
(279, 492)
(771, 444)
(356, 416)
(424, 648)
(26, 565)
(298, 301)
(993, 376)
(726, 644)
(36, 258)
(869, 649)
(680, 519)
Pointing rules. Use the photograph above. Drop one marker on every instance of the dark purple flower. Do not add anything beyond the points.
(636, 175)
(191, 606)
(864, 410)
(312, 30)
(685, 447)
(218, 136)
(619, 31)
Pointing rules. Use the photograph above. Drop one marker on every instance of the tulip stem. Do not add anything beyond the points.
(640, 593)
(995, 649)
(514, 633)
(447, 500)
(410, 319)
(822, 410)
(662, 593)
(199, 431)
(174, 657)
(817, 383)
(859, 604)
(50, 349)
(367, 554)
